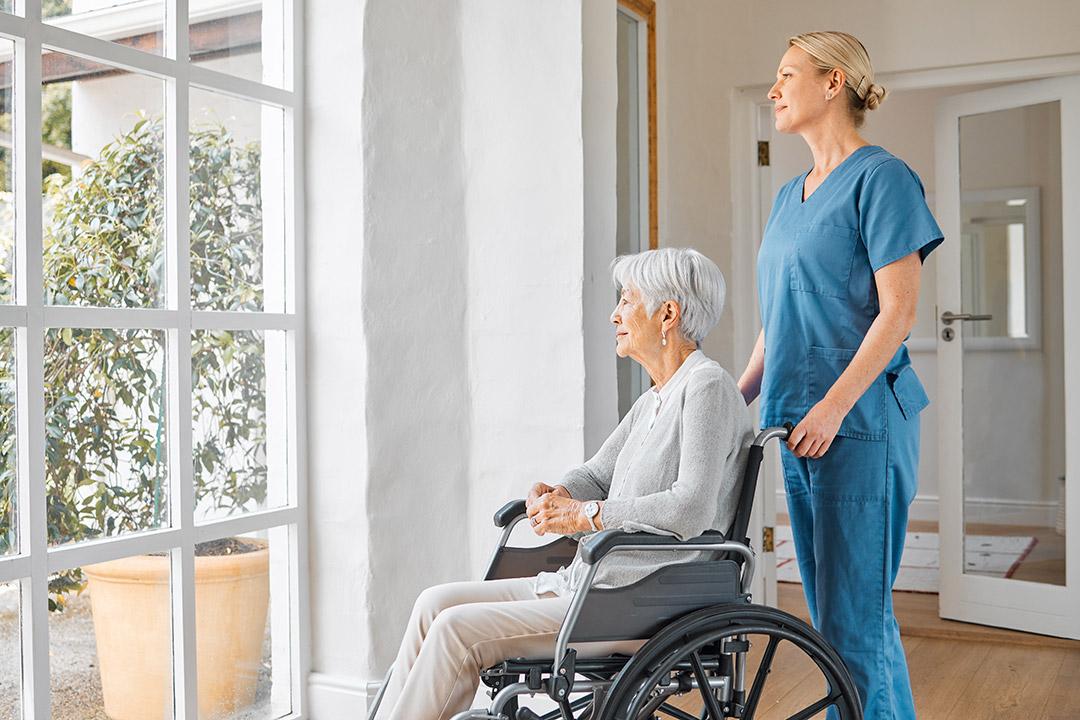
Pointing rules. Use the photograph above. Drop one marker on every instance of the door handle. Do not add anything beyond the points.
(948, 317)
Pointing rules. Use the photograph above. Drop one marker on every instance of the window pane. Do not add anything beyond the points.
(236, 237)
(9, 481)
(105, 432)
(136, 23)
(10, 652)
(248, 679)
(243, 39)
(110, 640)
(7, 164)
(103, 188)
(238, 435)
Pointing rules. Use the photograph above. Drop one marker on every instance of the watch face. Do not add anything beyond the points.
(591, 508)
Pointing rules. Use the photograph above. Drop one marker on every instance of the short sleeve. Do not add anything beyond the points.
(894, 220)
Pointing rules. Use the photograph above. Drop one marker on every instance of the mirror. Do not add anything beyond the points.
(1000, 262)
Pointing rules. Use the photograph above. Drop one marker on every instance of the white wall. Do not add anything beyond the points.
(446, 324)
(338, 376)
(524, 199)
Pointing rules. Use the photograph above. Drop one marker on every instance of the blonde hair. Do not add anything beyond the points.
(833, 49)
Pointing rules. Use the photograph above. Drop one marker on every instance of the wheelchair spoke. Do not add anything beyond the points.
(762, 675)
(816, 707)
(672, 711)
(703, 684)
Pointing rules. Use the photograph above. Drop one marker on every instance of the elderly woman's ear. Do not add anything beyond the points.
(671, 314)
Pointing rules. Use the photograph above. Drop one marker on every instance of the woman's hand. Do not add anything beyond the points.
(556, 513)
(540, 489)
(813, 436)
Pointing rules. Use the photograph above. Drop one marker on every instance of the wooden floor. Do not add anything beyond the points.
(951, 680)
(959, 671)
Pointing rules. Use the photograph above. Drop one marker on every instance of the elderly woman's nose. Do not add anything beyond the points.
(774, 94)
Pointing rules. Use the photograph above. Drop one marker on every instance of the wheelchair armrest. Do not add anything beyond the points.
(506, 514)
(600, 544)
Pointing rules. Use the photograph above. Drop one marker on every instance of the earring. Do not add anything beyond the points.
(663, 338)
(828, 96)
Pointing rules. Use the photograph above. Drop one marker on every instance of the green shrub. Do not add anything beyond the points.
(105, 439)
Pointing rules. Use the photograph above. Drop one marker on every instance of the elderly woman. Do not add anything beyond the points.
(672, 466)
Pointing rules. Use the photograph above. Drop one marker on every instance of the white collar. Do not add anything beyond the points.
(680, 377)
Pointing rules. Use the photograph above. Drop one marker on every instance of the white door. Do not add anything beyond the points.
(1008, 174)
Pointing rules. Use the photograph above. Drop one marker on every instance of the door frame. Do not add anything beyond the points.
(748, 223)
(1016, 604)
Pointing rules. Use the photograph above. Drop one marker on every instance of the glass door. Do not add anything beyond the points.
(1008, 327)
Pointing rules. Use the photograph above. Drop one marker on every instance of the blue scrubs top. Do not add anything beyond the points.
(817, 292)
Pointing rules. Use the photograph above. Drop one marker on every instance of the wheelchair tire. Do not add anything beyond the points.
(685, 655)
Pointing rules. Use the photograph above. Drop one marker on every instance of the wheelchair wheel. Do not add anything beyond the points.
(689, 670)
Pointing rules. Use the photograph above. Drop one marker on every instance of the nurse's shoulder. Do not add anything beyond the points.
(881, 167)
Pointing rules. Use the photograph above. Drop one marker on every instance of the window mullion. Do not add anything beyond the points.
(30, 381)
(295, 350)
(178, 298)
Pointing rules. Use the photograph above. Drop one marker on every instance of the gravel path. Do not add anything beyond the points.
(76, 684)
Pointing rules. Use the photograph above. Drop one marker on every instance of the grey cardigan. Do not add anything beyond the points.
(673, 466)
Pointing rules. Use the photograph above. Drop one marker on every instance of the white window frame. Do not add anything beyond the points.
(31, 319)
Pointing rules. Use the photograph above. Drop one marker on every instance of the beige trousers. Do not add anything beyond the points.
(458, 629)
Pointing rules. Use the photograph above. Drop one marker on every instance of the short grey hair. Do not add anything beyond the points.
(680, 274)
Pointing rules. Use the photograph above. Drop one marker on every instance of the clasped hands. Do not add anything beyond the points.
(552, 510)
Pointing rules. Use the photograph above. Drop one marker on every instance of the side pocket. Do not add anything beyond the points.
(866, 420)
(909, 392)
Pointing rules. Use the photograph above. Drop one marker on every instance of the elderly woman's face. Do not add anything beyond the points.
(634, 329)
(799, 92)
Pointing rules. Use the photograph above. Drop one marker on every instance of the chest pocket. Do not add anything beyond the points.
(821, 260)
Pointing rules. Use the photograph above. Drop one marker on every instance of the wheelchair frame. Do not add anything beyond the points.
(603, 674)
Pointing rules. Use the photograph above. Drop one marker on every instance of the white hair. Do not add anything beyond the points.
(680, 274)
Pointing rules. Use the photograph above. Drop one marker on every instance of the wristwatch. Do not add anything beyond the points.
(591, 510)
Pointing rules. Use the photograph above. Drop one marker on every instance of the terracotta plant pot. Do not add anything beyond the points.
(129, 600)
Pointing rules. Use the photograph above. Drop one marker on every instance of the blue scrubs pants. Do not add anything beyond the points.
(849, 512)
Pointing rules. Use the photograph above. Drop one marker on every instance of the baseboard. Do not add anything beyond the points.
(337, 697)
(979, 510)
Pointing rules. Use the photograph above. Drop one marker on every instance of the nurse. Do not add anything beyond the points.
(838, 283)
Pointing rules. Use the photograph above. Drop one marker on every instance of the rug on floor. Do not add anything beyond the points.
(989, 555)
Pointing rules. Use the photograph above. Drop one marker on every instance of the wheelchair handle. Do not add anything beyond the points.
(750, 477)
(509, 512)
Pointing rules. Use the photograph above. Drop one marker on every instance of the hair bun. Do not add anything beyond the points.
(875, 95)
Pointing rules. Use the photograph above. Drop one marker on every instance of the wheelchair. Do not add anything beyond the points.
(703, 637)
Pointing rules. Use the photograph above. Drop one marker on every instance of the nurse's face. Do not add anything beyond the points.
(635, 331)
(799, 92)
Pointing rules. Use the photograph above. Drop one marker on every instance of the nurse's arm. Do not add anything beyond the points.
(898, 297)
(750, 382)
